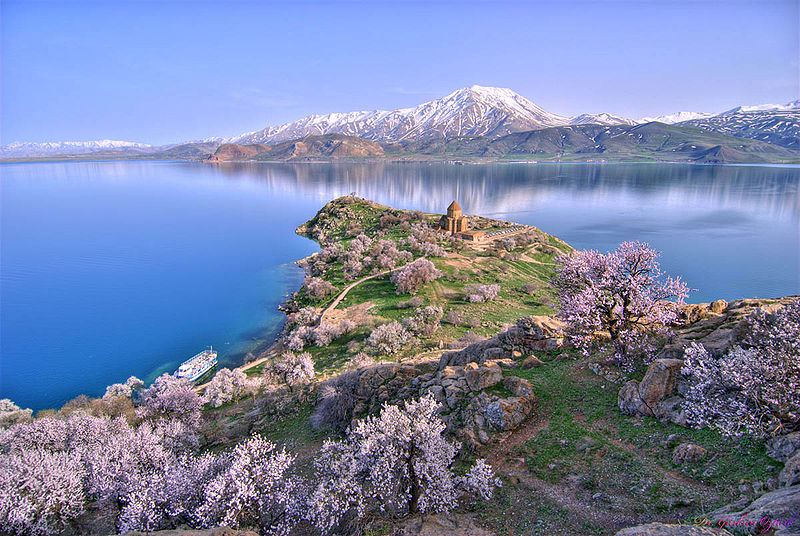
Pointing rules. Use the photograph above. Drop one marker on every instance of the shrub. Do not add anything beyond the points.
(307, 316)
(416, 301)
(388, 338)
(41, 492)
(481, 293)
(410, 278)
(291, 369)
(337, 398)
(454, 317)
(359, 360)
(619, 293)
(318, 288)
(124, 390)
(529, 288)
(397, 462)
(256, 489)
(228, 386)
(170, 397)
(753, 389)
(425, 321)
(11, 414)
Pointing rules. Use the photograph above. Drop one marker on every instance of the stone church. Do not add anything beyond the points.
(454, 222)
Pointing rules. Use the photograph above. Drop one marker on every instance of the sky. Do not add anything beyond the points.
(164, 72)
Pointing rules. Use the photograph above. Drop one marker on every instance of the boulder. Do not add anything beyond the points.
(783, 447)
(508, 413)
(781, 507)
(718, 306)
(628, 398)
(519, 386)
(688, 453)
(790, 474)
(216, 531)
(480, 377)
(659, 382)
(532, 362)
(671, 410)
(660, 529)
(441, 525)
(692, 313)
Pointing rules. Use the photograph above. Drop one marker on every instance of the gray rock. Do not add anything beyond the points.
(670, 410)
(441, 525)
(780, 506)
(628, 398)
(688, 453)
(508, 413)
(783, 447)
(658, 382)
(483, 376)
(790, 475)
(519, 386)
(660, 529)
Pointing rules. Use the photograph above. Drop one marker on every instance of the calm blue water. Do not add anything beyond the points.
(113, 269)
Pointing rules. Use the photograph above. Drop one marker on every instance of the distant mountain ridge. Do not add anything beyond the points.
(68, 147)
(472, 112)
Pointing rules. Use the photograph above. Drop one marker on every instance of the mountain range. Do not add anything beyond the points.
(476, 112)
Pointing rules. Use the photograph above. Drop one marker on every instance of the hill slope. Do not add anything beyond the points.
(780, 127)
(651, 141)
(311, 147)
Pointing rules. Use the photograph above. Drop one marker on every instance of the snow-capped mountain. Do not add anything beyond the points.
(677, 117)
(601, 119)
(472, 111)
(794, 105)
(779, 126)
(19, 149)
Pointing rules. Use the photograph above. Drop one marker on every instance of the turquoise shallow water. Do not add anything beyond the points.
(120, 268)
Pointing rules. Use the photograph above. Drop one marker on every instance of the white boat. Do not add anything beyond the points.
(194, 368)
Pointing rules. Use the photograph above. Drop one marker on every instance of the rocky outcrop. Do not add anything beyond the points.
(660, 529)
(329, 146)
(471, 409)
(716, 325)
(529, 334)
(478, 400)
(781, 507)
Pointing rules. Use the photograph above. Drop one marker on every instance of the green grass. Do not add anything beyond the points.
(615, 453)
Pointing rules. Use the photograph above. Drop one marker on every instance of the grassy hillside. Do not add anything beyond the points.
(649, 142)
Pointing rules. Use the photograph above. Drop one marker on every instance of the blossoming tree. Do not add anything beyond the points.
(621, 293)
(397, 462)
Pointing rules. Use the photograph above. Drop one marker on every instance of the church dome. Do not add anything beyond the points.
(454, 209)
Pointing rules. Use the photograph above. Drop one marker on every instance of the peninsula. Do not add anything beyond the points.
(442, 326)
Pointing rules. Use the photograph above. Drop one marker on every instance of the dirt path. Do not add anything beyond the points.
(352, 285)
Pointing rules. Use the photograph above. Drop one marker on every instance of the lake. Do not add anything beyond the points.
(112, 269)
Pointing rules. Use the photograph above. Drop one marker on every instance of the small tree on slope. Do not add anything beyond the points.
(398, 461)
(620, 293)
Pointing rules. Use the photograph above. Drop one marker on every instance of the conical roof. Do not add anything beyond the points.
(454, 206)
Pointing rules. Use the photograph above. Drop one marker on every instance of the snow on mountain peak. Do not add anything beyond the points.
(676, 117)
(18, 149)
(469, 111)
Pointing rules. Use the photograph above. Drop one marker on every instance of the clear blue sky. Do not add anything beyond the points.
(162, 72)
